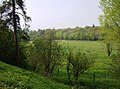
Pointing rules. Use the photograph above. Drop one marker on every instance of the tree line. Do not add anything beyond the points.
(78, 33)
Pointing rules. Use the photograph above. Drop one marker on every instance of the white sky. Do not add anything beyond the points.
(63, 13)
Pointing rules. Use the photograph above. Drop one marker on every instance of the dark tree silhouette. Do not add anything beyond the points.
(12, 19)
(15, 34)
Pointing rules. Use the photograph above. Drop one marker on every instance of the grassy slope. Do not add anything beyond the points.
(12, 77)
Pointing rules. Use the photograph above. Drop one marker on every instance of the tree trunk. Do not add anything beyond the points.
(109, 49)
(76, 79)
(68, 73)
(15, 35)
(47, 70)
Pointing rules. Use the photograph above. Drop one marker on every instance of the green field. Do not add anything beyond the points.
(95, 47)
(99, 74)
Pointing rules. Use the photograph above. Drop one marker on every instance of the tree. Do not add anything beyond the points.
(78, 62)
(15, 34)
(93, 25)
(12, 18)
(45, 54)
(110, 22)
(7, 49)
(110, 19)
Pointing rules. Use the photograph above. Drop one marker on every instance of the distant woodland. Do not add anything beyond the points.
(89, 33)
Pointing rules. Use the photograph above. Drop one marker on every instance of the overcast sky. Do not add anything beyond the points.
(63, 13)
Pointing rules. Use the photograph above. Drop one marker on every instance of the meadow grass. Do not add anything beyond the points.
(96, 48)
(98, 76)
(100, 70)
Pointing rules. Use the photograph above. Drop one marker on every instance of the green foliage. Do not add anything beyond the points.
(98, 75)
(15, 78)
(110, 22)
(7, 45)
(77, 33)
(10, 15)
(45, 54)
(80, 62)
(115, 66)
(7, 50)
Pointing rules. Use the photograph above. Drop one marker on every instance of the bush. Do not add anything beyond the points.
(78, 62)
